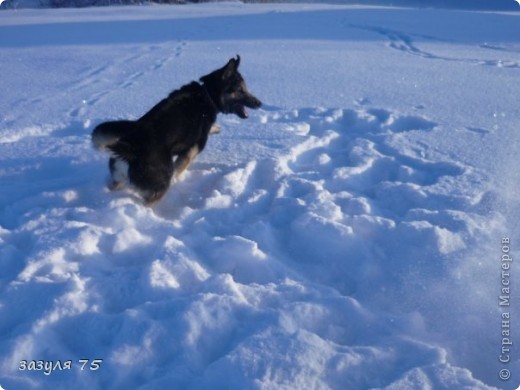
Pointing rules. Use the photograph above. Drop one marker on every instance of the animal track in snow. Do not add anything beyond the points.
(150, 59)
(406, 43)
(347, 182)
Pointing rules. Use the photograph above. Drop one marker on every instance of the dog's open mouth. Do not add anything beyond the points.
(240, 110)
(239, 106)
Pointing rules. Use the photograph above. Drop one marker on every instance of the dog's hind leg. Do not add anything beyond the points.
(151, 175)
(118, 174)
(184, 160)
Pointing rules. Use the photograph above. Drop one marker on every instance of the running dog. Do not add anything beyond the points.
(143, 151)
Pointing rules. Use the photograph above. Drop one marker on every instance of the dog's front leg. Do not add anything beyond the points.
(184, 160)
(215, 129)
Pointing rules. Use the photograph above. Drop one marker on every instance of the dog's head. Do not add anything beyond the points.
(227, 88)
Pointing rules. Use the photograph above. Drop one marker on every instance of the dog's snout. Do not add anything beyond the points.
(254, 102)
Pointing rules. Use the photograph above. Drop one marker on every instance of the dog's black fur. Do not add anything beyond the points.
(143, 150)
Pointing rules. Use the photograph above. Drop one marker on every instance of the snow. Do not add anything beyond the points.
(346, 236)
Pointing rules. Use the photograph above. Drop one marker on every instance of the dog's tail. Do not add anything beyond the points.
(108, 133)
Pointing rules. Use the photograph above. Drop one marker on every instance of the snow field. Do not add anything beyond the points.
(246, 271)
(336, 239)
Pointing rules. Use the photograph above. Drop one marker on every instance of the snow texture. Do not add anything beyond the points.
(346, 236)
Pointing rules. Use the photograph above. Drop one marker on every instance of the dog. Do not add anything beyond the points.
(143, 151)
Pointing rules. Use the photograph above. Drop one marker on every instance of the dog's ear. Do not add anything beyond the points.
(224, 73)
(231, 67)
(237, 61)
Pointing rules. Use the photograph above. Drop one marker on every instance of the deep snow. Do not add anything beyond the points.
(346, 236)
